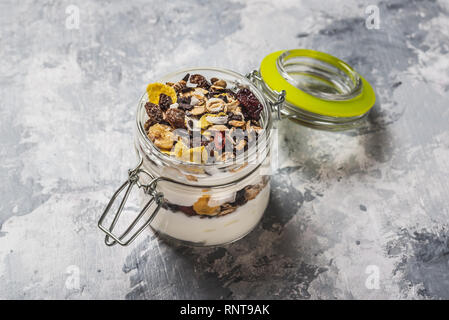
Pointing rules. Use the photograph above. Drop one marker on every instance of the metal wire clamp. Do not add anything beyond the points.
(278, 97)
(150, 189)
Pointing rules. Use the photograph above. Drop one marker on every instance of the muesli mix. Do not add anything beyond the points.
(203, 121)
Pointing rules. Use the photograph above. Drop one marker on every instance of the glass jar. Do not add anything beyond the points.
(216, 203)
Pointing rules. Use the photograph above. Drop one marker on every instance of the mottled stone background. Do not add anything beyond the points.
(344, 206)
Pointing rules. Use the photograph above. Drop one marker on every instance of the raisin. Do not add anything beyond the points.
(185, 106)
(154, 112)
(147, 125)
(187, 89)
(251, 105)
(175, 117)
(240, 198)
(237, 117)
(164, 101)
(186, 100)
(200, 81)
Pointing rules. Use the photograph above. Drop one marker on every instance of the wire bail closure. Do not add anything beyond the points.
(150, 189)
(276, 106)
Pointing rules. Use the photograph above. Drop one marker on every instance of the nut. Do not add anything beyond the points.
(215, 105)
(232, 106)
(236, 123)
(201, 206)
(240, 145)
(161, 136)
(251, 192)
(217, 119)
(198, 110)
(226, 209)
(219, 127)
(220, 83)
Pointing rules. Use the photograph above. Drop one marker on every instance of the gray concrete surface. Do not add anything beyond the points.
(360, 214)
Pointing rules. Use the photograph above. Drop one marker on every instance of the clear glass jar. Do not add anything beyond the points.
(217, 203)
(231, 195)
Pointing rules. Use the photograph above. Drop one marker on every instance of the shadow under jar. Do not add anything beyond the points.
(220, 202)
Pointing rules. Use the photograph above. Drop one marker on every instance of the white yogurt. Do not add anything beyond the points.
(214, 230)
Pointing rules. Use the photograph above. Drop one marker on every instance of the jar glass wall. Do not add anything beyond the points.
(209, 203)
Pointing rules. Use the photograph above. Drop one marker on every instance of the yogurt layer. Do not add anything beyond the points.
(214, 230)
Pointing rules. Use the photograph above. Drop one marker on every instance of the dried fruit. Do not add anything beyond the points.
(154, 112)
(154, 91)
(161, 135)
(176, 117)
(251, 104)
(201, 206)
(165, 101)
(199, 80)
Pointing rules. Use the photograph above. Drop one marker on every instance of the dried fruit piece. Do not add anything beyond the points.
(154, 113)
(154, 91)
(201, 206)
(165, 101)
(251, 104)
(199, 80)
(161, 136)
(176, 117)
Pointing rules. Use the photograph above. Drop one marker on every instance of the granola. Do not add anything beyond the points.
(198, 112)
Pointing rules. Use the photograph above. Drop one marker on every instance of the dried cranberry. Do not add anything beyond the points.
(164, 101)
(154, 112)
(251, 105)
(187, 210)
(176, 117)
